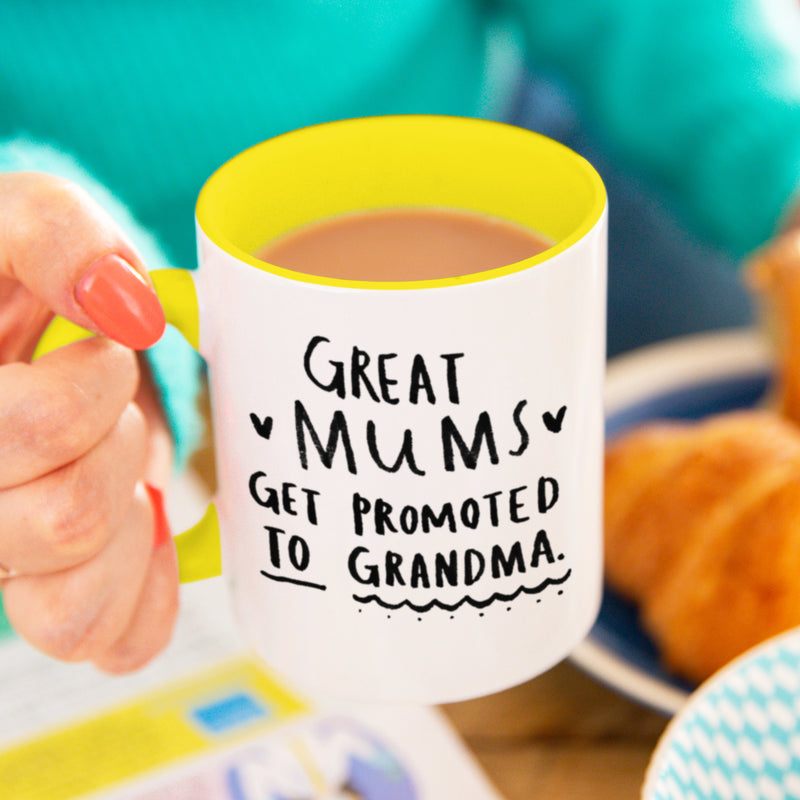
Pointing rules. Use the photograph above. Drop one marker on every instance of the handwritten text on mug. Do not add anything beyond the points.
(393, 577)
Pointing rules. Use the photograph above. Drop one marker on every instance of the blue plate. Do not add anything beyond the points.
(683, 379)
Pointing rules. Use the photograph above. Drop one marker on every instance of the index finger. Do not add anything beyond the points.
(66, 250)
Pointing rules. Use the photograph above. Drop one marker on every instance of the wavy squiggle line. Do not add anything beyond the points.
(497, 596)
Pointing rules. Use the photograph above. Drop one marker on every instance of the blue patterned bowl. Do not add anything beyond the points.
(738, 736)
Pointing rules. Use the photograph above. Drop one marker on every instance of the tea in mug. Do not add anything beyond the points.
(403, 244)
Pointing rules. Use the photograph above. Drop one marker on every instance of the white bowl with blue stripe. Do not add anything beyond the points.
(738, 736)
(687, 378)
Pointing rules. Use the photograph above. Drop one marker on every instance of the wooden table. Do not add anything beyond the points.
(561, 736)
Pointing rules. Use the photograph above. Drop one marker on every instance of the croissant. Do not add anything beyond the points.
(702, 519)
(702, 532)
(773, 277)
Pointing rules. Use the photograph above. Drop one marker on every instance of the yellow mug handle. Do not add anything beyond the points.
(199, 551)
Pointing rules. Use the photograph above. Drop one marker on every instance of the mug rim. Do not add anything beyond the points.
(226, 199)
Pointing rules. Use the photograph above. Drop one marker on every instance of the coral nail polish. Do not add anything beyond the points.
(161, 530)
(121, 303)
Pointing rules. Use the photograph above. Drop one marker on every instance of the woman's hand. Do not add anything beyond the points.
(87, 567)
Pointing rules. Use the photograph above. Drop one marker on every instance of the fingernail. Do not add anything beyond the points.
(161, 531)
(120, 303)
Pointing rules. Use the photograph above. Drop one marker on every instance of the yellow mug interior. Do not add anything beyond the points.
(400, 161)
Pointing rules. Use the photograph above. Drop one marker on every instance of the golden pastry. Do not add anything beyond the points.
(702, 531)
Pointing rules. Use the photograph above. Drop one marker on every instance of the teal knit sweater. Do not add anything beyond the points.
(140, 100)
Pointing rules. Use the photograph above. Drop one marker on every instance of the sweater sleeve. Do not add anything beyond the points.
(700, 97)
(176, 368)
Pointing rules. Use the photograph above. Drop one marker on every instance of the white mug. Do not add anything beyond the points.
(438, 538)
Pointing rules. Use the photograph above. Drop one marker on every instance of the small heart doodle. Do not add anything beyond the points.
(263, 426)
(554, 423)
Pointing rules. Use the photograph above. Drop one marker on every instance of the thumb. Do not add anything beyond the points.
(70, 254)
